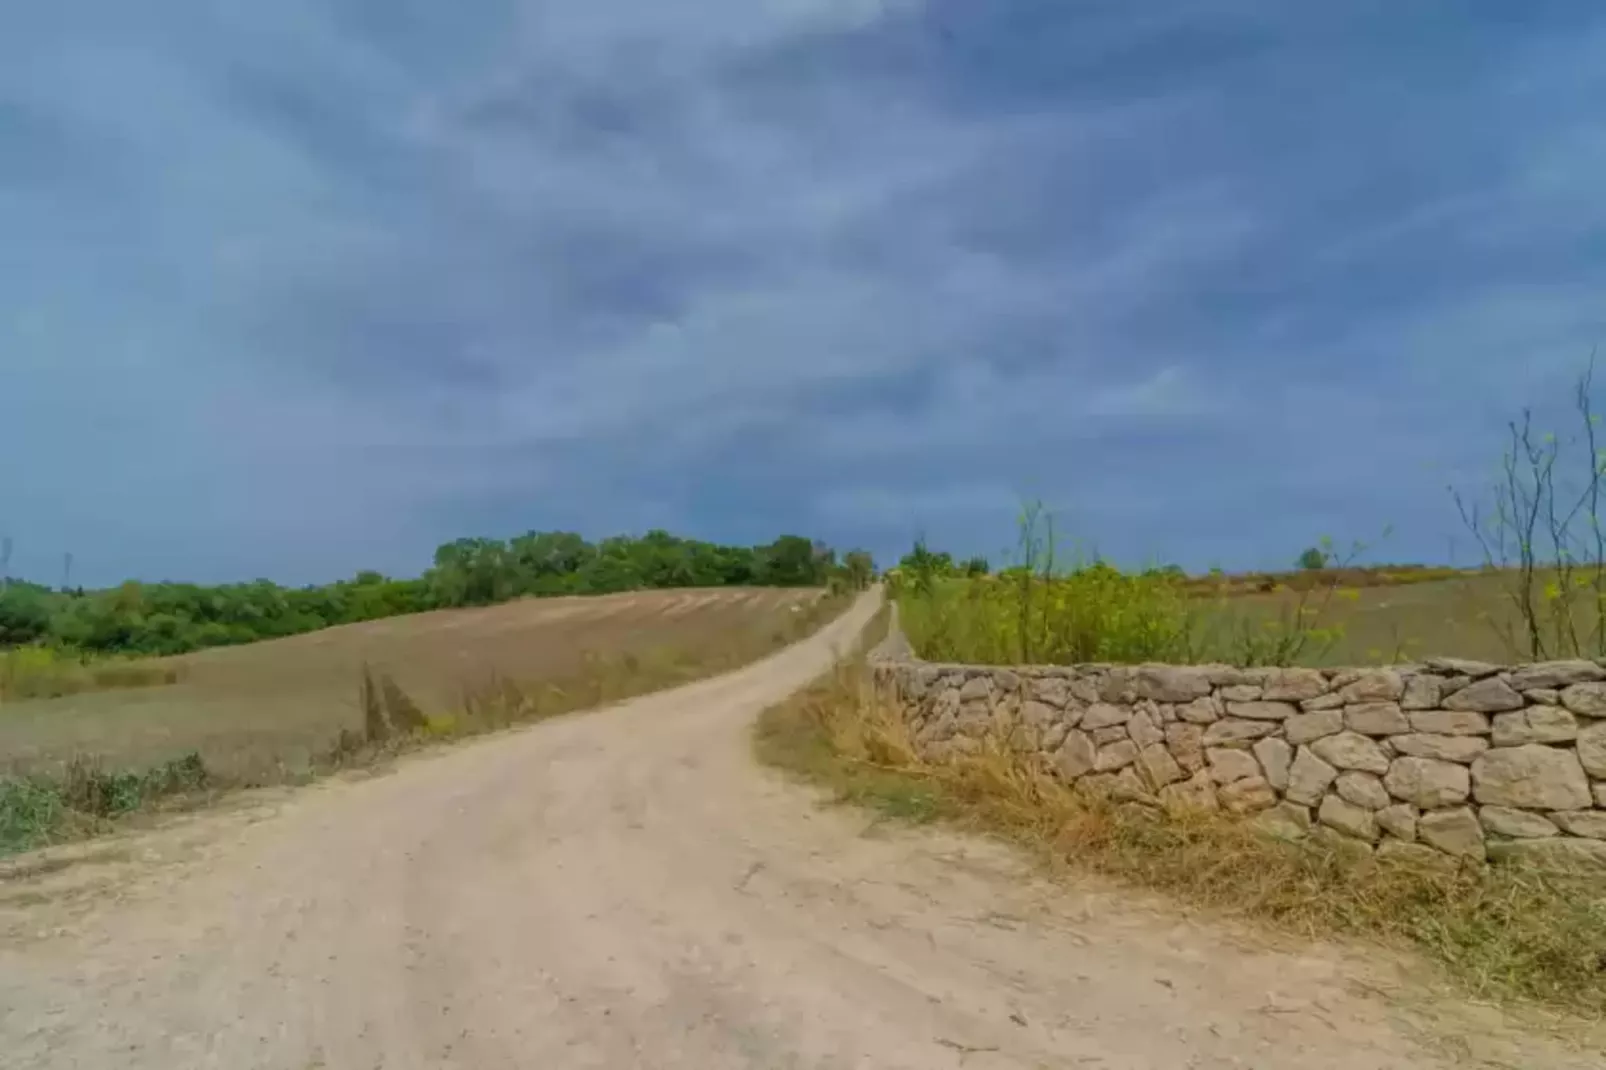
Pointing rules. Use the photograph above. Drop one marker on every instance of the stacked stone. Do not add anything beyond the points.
(1448, 758)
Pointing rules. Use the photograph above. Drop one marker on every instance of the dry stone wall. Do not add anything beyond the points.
(1448, 758)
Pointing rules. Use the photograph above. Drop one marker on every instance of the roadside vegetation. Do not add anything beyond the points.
(295, 709)
(1500, 932)
(1054, 606)
(1539, 592)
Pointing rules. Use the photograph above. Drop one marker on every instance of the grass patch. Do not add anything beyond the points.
(1502, 932)
(87, 793)
(35, 672)
(41, 810)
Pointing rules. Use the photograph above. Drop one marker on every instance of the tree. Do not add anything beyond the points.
(976, 566)
(24, 614)
(789, 561)
(859, 567)
(1313, 558)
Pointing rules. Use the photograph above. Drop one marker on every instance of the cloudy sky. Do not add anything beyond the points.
(293, 288)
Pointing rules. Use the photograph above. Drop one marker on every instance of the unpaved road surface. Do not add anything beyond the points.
(627, 889)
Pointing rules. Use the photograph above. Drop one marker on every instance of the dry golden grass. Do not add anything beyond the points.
(1468, 615)
(265, 711)
(1500, 932)
(290, 710)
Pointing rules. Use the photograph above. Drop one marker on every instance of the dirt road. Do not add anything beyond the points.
(627, 889)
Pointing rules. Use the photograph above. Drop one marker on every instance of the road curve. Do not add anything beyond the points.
(627, 889)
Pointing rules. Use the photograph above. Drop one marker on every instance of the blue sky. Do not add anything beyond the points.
(296, 288)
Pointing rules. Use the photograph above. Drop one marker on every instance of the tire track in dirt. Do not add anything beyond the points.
(627, 889)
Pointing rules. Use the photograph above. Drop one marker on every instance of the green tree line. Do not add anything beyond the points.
(171, 618)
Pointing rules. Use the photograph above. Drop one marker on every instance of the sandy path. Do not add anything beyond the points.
(627, 889)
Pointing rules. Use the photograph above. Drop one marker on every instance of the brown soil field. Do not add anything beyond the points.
(1249, 583)
(1469, 615)
(265, 711)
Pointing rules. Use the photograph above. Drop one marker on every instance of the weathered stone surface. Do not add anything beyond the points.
(1084, 691)
(1563, 853)
(975, 718)
(1200, 711)
(1198, 792)
(945, 703)
(1399, 821)
(1308, 778)
(1536, 724)
(1034, 714)
(1236, 731)
(1285, 821)
(1308, 727)
(1422, 692)
(1341, 843)
(976, 689)
(1516, 824)
(1232, 675)
(1168, 712)
(1463, 749)
(1361, 789)
(1450, 722)
(1376, 719)
(1105, 715)
(1115, 684)
(1115, 756)
(1329, 701)
(1186, 744)
(1275, 756)
(1556, 674)
(1531, 777)
(1587, 823)
(1247, 796)
(1144, 728)
(1416, 855)
(1052, 691)
(1157, 767)
(1242, 693)
(1053, 736)
(1377, 685)
(1462, 667)
(1006, 680)
(1427, 782)
(1171, 683)
(1339, 679)
(1293, 685)
(1262, 711)
(1542, 696)
(1076, 755)
(1489, 695)
(1129, 786)
(1586, 700)
(1592, 750)
(1455, 832)
(1113, 734)
(1600, 796)
(1227, 765)
(1348, 818)
(1349, 750)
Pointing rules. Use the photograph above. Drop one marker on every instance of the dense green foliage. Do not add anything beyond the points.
(171, 618)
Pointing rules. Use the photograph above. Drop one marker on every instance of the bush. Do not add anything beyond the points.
(1040, 611)
(1097, 613)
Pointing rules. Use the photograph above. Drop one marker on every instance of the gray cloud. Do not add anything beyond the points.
(315, 285)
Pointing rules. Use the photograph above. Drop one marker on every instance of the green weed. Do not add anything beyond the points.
(47, 672)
